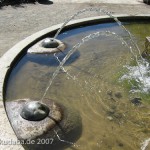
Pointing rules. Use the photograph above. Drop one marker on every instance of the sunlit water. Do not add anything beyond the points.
(143, 82)
(90, 83)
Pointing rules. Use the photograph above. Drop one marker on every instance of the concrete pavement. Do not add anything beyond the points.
(100, 1)
(16, 23)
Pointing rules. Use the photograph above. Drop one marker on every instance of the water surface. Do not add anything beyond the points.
(110, 120)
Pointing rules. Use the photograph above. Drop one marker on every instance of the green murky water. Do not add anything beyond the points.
(110, 121)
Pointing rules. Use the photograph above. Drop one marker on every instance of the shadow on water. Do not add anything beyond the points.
(54, 145)
(66, 140)
(46, 60)
(50, 60)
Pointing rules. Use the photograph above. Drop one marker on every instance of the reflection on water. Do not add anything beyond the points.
(110, 119)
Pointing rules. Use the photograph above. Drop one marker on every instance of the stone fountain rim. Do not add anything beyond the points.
(8, 60)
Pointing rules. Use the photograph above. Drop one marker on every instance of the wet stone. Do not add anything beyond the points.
(110, 93)
(136, 101)
(110, 118)
(145, 55)
(111, 112)
(118, 95)
(62, 124)
(120, 144)
(112, 99)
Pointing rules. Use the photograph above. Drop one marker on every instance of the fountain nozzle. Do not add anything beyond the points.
(34, 111)
(47, 46)
(50, 43)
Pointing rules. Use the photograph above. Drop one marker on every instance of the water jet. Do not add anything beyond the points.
(104, 49)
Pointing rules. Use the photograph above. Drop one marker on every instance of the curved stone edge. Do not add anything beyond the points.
(8, 59)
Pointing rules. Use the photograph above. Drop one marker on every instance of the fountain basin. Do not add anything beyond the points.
(9, 61)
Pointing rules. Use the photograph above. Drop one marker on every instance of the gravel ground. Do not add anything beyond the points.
(16, 23)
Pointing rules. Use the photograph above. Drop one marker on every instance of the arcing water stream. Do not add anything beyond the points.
(77, 46)
(90, 37)
(140, 73)
(92, 84)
